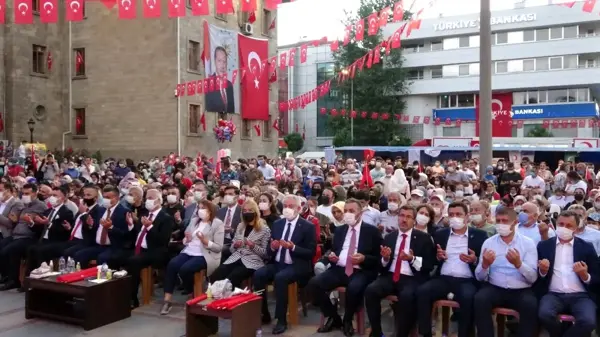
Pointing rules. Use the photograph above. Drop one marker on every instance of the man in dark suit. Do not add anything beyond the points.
(230, 215)
(407, 258)
(58, 221)
(354, 264)
(89, 215)
(457, 251)
(111, 233)
(10, 208)
(568, 268)
(151, 235)
(292, 248)
(220, 99)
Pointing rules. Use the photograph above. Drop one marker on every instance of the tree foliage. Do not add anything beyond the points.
(539, 131)
(294, 142)
(378, 89)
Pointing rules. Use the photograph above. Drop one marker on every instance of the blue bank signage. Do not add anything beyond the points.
(538, 111)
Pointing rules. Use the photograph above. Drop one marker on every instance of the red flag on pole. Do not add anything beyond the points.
(272, 25)
(74, 10)
(49, 61)
(49, 11)
(127, 9)
(2, 11)
(255, 85)
(23, 12)
(367, 180)
(33, 160)
(176, 8)
(151, 8)
(360, 30)
(78, 61)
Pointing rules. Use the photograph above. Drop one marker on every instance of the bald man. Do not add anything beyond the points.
(529, 225)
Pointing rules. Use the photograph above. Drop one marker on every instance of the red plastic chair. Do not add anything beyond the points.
(501, 314)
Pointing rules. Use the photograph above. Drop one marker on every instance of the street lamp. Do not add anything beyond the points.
(346, 72)
(31, 125)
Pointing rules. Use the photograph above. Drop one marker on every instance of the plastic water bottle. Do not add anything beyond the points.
(259, 333)
(78, 267)
(61, 265)
(70, 265)
(104, 270)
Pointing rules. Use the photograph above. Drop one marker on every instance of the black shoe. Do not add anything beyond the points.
(376, 334)
(135, 303)
(348, 329)
(186, 292)
(9, 285)
(279, 328)
(331, 323)
(266, 318)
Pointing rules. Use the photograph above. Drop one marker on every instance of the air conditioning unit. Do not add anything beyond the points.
(248, 29)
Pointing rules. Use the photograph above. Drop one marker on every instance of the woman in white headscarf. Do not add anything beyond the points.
(398, 183)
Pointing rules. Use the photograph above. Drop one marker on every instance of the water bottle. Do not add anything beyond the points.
(70, 265)
(259, 333)
(78, 267)
(61, 265)
(104, 270)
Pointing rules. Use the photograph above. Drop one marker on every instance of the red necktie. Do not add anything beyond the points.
(77, 225)
(398, 260)
(104, 233)
(228, 218)
(351, 251)
(138, 244)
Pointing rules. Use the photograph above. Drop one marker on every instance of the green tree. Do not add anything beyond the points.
(294, 142)
(378, 89)
(539, 131)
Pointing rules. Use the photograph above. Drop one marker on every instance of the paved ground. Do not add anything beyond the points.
(145, 321)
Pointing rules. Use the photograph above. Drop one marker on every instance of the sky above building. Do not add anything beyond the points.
(305, 20)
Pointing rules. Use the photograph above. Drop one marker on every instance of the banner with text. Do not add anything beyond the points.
(501, 115)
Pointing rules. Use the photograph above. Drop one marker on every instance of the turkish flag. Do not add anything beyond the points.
(191, 88)
(254, 87)
(367, 180)
(200, 87)
(384, 16)
(74, 10)
(272, 4)
(292, 57)
(360, 30)
(398, 11)
(49, 11)
(347, 35)
(151, 8)
(282, 60)
(303, 50)
(377, 54)
(335, 45)
(2, 11)
(257, 129)
(413, 24)
(127, 9)
(588, 6)
(23, 12)
(370, 59)
(176, 8)
(501, 108)
(49, 61)
(79, 61)
(224, 7)
(211, 84)
(248, 5)
(396, 39)
(373, 24)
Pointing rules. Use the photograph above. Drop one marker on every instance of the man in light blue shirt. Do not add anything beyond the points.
(529, 225)
(507, 268)
(585, 232)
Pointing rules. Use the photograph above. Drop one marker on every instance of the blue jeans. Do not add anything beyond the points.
(186, 266)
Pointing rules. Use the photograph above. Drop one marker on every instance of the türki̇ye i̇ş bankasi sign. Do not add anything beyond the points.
(496, 20)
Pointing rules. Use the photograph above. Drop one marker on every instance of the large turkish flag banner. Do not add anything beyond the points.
(255, 85)
(501, 115)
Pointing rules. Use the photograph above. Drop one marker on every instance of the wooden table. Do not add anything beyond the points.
(202, 322)
(83, 303)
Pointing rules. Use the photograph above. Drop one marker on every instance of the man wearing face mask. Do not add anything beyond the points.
(325, 202)
(377, 172)
(584, 230)
(10, 208)
(293, 246)
(529, 225)
(389, 218)
(174, 205)
(44, 192)
(416, 197)
(135, 202)
(479, 215)
(436, 200)
(354, 262)
(230, 215)
(88, 216)
(568, 268)
(533, 180)
(350, 175)
(509, 178)
(370, 215)
(454, 175)
(14, 248)
(267, 170)
(111, 233)
(507, 268)
(579, 199)
(457, 251)
(152, 234)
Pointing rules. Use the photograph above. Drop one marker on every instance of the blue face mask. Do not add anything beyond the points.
(261, 162)
(532, 174)
(523, 218)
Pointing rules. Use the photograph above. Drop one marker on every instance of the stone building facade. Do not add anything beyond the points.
(121, 101)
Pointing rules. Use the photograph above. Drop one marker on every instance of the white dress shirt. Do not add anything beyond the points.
(592, 236)
(533, 182)
(99, 230)
(453, 266)
(144, 243)
(3, 205)
(288, 258)
(371, 216)
(405, 266)
(51, 217)
(78, 234)
(564, 279)
(346, 246)
(195, 247)
(230, 210)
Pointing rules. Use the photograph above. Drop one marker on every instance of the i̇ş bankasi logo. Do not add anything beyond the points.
(530, 111)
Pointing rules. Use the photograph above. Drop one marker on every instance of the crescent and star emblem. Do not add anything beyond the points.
(24, 7)
(75, 5)
(48, 4)
(126, 4)
(175, 3)
(254, 56)
(151, 3)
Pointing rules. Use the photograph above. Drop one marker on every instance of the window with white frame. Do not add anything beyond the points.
(556, 33)
(542, 34)
(529, 35)
(437, 72)
(529, 65)
(556, 63)
(451, 131)
(501, 67)
(463, 42)
(571, 32)
(463, 70)
(501, 38)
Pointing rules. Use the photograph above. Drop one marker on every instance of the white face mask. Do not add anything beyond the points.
(392, 206)
(597, 205)
(564, 233)
(171, 199)
(190, 199)
(518, 209)
(229, 200)
(437, 211)
(459, 193)
(150, 204)
(422, 220)
(503, 229)
(107, 204)
(476, 218)
(53, 201)
(26, 199)
(288, 213)
(124, 191)
(199, 195)
(202, 214)
(349, 219)
(1, 194)
(456, 223)
(129, 199)
(263, 206)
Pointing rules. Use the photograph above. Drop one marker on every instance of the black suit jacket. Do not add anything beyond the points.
(158, 237)
(421, 245)
(89, 233)
(214, 101)
(119, 233)
(476, 238)
(236, 218)
(582, 251)
(56, 231)
(304, 238)
(369, 244)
